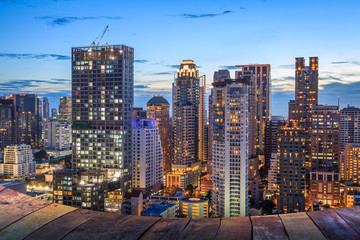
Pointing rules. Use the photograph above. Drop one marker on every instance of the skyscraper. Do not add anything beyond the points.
(46, 115)
(147, 171)
(271, 130)
(28, 119)
(325, 138)
(8, 128)
(65, 110)
(186, 100)
(349, 126)
(263, 96)
(102, 102)
(203, 126)
(306, 89)
(18, 161)
(350, 163)
(291, 168)
(230, 146)
(54, 115)
(158, 109)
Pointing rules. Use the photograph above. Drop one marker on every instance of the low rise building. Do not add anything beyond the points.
(183, 175)
(18, 161)
(82, 189)
(195, 207)
(325, 187)
(160, 209)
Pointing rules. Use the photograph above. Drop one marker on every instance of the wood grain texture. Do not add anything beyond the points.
(130, 229)
(1, 188)
(300, 226)
(332, 225)
(14, 206)
(234, 228)
(351, 216)
(166, 228)
(30, 223)
(96, 226)
(201, 228)
(268, 227)
(61, 226)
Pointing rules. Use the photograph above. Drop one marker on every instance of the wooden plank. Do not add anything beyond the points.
(234, 228)
(61, 226)
(33, 221)
(15, 205)
(308, 229)
(96, 226)
(166, 228)
(130, 229)
(201, 228)
(351, 215)
(332, 225)
(2, 188)
(268, 227)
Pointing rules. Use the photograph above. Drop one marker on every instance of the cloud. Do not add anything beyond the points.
(140, 86)
(34, 56)
(141, 61)
(61, 21)
(163, 73)
(347, 62)
(242, 8)
(174, 66)
(289, 66)
(203, 15)
(229, 67)
(53, 85)
(340, 62)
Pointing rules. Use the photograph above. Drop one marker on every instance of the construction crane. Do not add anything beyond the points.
(101, 37)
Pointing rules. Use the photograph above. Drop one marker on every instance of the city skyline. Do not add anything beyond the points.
(271, 33)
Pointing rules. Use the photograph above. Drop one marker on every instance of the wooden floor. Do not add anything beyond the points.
(24, 217)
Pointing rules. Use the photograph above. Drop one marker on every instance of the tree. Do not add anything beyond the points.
(267, 206)
(40, 155)
(190, 189)
(209, 195)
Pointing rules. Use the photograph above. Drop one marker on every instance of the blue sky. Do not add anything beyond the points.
(37, 36)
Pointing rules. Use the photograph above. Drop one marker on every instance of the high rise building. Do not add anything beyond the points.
(325, 138)
(350, 163)
(102, 102)
(158, 109)
(306, 89)
(271, 131)
(203, 126)
(230, 133)
(65, 110)
(8, 116)
(56, 135)
(28, 119)
(46, 113)
(54, 115)
(263, 96)
(254, 129)
(18, 161)
(272, 173)
(291, 168)
(147, 170)
(137, 115)
(349, 126)
(291, 106)
(186, 100)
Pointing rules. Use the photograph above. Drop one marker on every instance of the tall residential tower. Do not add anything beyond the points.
(230, 147)
(102, 102)
(186, 100)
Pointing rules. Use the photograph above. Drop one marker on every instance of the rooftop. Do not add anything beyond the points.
(25, 217)
(158, 100)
